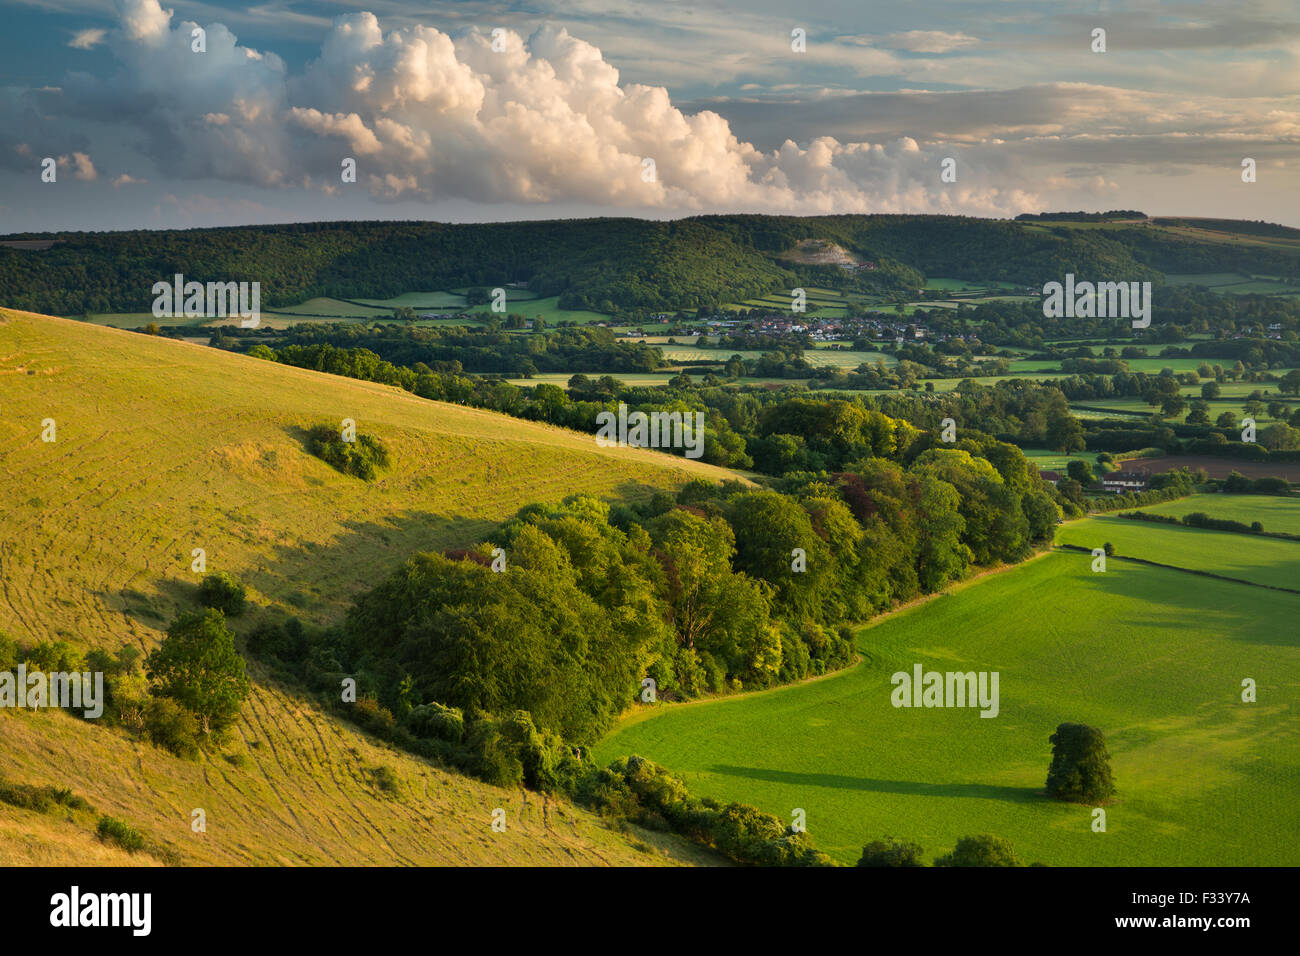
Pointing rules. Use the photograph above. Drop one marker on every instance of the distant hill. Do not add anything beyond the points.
(162, 447)
(621, 264)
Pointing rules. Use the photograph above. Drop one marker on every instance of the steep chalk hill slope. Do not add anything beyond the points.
(162, 448)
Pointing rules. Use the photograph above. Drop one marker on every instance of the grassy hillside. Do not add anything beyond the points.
(163, 447)
(1154, 661)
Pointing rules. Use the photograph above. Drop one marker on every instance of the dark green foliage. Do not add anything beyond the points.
(373, 716)
(361, 458)
(511, 751)
(981, 850)
(1080, 471)
(198, 666)
(642, 791)
(224, 593)
(172, 727)
(40, 799)
(891, 852)
(1080, 769)
(435, 720)
(112, 830)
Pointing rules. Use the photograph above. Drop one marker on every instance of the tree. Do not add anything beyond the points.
(768, 527)
(197, 665)
(983, 849)
(891, 852)
(1080, 471)
(224, 593)
(1210, 390)
(1080, 769)
(1065, 434)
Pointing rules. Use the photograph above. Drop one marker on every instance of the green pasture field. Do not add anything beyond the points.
(943, 284)
(1252, 558)
(1274, 513)
(547, 308)
(435, 300)
(1152, 657)
(1047, 460)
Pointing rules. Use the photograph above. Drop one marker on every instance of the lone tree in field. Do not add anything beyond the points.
(1080, 770)
(198, 666)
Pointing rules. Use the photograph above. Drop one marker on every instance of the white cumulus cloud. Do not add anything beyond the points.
(539, 119)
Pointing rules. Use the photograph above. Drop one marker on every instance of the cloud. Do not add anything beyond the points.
(930, 41)
(87, 39)
(126, 179)
(82, 167)
(490, 119)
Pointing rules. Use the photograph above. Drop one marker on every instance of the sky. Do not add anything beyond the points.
(184, 115)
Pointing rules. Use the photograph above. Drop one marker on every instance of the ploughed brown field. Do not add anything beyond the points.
(1216, 467)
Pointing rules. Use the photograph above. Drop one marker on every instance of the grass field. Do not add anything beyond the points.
(1056, 461)
(818, 358)
(1152, 657)
(163, 447)
(1275, 514)
(1252, 558)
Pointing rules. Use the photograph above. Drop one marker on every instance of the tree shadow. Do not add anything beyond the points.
(318, 581)
(911, 788)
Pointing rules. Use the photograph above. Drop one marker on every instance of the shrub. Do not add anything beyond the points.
(493, 759)
(981, 850)
(435, 720)
(385, 780)
(360, 458)
(224, 593)
(891, 852)
(372, 715)
(112, 830)
(128, 699)
(8, 652)
(172, 727)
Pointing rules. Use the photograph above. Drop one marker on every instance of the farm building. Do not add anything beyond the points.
(1050, 476)
(1119, 481)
